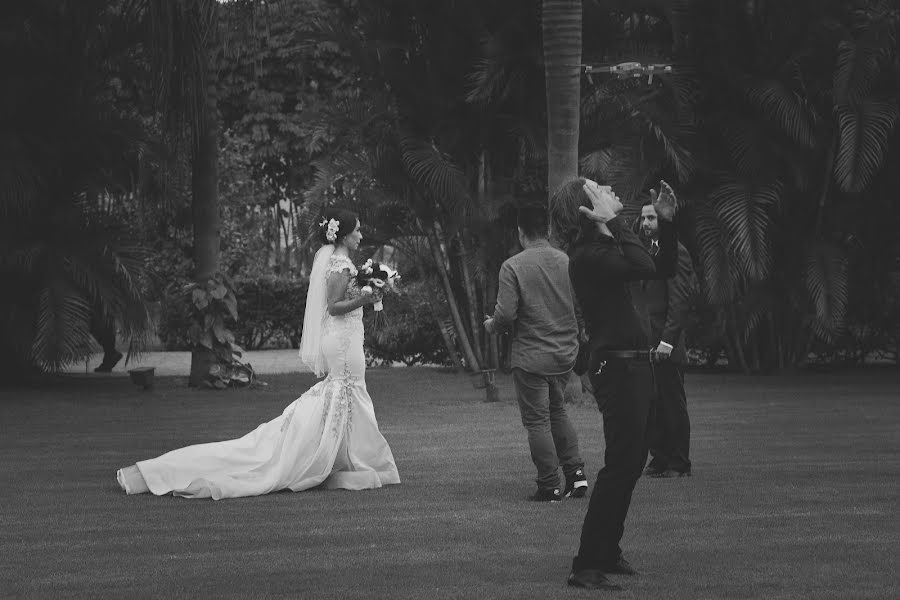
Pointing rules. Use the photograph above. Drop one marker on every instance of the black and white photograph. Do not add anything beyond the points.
(450, 299)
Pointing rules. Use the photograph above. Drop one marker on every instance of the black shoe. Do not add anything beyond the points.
(546, 495)
(669, 473)
(576, 485)
(109, 361)
(621, 567)
(653, 469)
(592, 579)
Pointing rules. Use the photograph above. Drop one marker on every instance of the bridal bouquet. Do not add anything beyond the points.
(378, 278)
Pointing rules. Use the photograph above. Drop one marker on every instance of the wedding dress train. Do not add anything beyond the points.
(329, 436)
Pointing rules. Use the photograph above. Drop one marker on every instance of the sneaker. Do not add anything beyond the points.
(621, 567)
(669, 473)
(592, 579)
(653, 469)
(546, 495)
(576, 485)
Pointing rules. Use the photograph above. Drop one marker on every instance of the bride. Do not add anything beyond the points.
(328, 436)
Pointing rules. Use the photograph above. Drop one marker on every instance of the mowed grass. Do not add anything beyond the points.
(794, 495)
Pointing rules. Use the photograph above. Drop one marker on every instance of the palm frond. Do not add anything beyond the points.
(595, 165)
(718, 278)
(746, 147)
(757, 301)
(669, 137)
(746, 213)
(826, 279)
(182, 34)
(785, 107)
(858, 65)
(61, 335)
(864, 131)
(438, 176)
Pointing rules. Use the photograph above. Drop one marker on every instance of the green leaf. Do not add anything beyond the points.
(200, 298)
(206, 340)
(713, 239)
(217, 290)
(857, 68)
(864, 131)
(746, 212)
(785, 108)
(826, 278)
(231, 305)
(219, 330)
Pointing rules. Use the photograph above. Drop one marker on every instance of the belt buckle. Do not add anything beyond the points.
(654, 355)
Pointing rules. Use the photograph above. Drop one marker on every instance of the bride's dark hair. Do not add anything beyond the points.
(346, 221)
(569, 226)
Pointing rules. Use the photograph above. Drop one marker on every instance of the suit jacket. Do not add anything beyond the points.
(667, 305)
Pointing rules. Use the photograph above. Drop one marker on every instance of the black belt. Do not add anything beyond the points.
(626, 354)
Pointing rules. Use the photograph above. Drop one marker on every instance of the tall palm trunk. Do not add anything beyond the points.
(205, 197)
(561, 28)
(205, 217)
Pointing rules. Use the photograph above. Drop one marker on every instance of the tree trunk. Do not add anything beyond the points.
(561, 30)
(471, 299)
(448, 343)
(205, 217)
(434, 243)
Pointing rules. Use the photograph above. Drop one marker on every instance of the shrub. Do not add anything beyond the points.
(270, 315)
(408, 333)
(270, 312)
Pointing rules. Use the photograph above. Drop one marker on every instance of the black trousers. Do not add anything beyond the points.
(624, 392)
(670, 426)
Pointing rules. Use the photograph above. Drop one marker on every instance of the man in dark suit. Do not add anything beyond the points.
(667, 305)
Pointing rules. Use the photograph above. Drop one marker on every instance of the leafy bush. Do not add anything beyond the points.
(270, 312)
(270, 315)
(408, 334)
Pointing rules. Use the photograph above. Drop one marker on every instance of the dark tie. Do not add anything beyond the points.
(654, 247)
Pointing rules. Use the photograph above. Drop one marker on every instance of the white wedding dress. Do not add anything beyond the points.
(329, 435)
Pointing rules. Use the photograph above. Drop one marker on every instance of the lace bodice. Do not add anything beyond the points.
(341, 263)
(351, 322)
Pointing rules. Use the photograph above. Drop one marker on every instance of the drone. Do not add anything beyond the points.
(628, 69)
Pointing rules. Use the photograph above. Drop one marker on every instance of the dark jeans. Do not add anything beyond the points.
(670, 426)
(624, 391)
(551, 437)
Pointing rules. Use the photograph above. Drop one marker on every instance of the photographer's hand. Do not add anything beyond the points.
(605, 203)
(665, 203)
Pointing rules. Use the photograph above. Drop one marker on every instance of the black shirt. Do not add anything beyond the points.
(604, 270)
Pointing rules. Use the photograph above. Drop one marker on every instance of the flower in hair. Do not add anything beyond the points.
(333, 226)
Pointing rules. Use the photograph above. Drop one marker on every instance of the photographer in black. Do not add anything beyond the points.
(607, 261)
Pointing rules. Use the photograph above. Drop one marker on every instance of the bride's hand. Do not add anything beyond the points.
(369, 295)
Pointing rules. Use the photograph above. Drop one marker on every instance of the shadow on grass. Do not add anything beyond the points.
(794, 496)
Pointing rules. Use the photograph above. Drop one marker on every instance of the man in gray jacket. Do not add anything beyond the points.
(535, 300)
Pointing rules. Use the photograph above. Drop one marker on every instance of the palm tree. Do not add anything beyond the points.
(561, 28)
(182, 42)
(770, 231)
(74, 147)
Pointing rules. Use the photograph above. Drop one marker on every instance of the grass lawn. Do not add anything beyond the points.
(794, 495)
